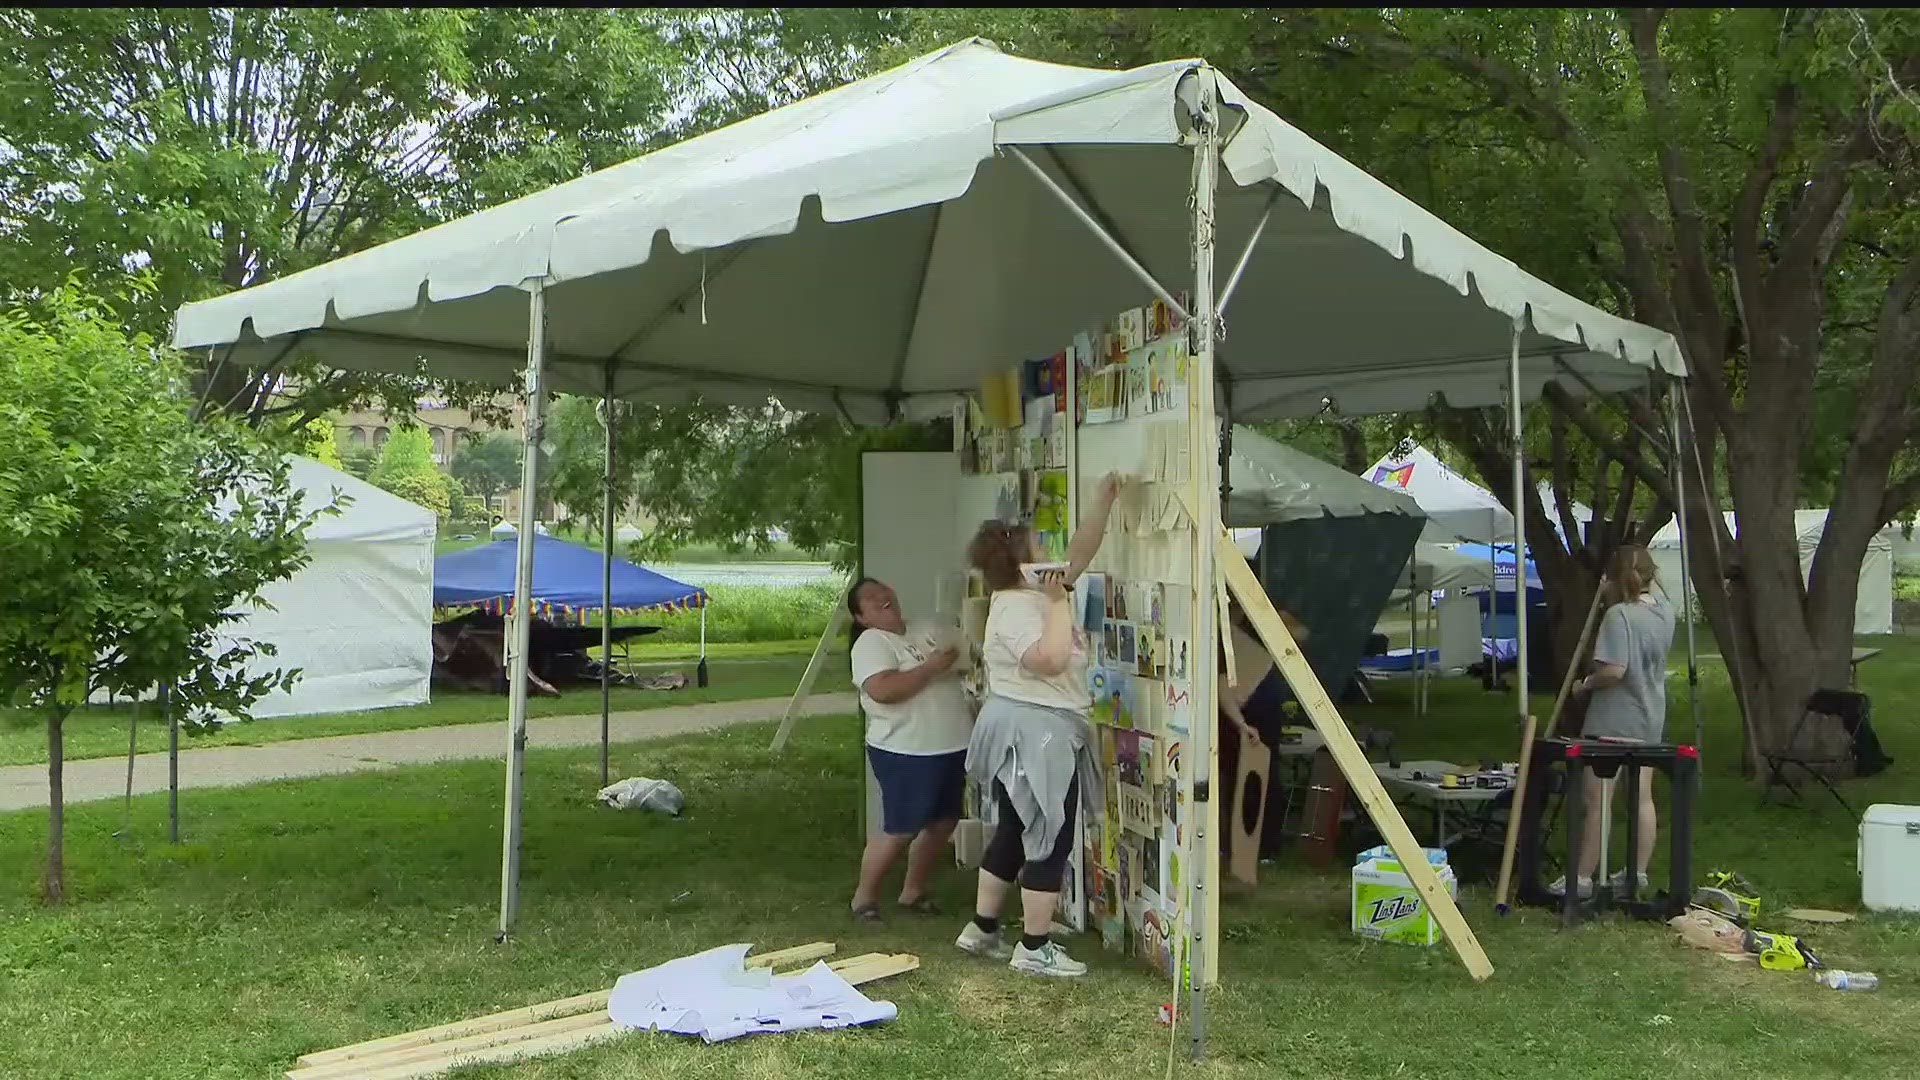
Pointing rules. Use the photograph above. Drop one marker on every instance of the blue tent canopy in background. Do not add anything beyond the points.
(566, 580)
(1502, 565)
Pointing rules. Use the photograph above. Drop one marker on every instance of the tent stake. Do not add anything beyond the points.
(521, 617)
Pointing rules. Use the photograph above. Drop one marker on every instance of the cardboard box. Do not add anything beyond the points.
(1386, 906)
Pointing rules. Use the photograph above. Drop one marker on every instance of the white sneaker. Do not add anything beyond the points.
(1049, 959)
(974, 940)
(1559, 887)
(1621, 879)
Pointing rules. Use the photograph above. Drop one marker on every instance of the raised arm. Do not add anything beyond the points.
(1050, 655)
(1086, 539)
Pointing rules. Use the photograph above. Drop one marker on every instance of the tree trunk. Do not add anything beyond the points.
(55, 885)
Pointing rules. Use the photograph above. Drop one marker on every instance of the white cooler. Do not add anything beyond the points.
(1889, 858)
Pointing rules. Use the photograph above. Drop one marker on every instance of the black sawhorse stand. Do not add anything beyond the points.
(1605, 760)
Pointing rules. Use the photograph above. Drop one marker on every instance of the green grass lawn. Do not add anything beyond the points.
(304, 915)
(737, 672)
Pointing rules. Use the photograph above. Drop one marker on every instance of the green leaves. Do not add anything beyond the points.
(132, 536)
(222, 147)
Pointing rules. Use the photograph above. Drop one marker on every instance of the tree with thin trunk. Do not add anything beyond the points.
(132, 535)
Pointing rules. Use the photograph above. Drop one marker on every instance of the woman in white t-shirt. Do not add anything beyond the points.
(1031, 747)
(918, 720)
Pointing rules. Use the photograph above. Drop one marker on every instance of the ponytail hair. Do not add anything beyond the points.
(1630, 573)
(997, 550)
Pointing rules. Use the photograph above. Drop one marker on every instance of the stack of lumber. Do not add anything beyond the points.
(552, 1027)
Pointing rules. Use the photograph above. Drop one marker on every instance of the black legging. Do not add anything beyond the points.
(1006, 856)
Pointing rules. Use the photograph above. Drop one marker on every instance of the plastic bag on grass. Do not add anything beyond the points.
(638, 792)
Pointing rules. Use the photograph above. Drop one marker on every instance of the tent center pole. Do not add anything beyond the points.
(1207, 609)
(606, 580)
(520, 618)
(1519, 526)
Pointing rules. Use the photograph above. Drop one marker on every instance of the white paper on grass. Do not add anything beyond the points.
(715, 996)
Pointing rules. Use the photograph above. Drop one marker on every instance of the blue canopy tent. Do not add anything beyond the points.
(1501, 555)
(567, 581)
(1499, 625)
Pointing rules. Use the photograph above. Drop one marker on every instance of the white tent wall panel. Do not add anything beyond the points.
(358, 620)
(1873, 603)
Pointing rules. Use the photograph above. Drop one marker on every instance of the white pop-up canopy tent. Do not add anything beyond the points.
(357, 620)
(876, 249)
(1458, 509)
(1872, 605)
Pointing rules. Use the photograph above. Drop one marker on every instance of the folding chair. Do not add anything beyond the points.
(1822, 741)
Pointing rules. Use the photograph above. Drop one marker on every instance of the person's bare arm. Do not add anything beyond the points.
(1087, 538)
(902, 684)
(1604, 675)
(1050, 655)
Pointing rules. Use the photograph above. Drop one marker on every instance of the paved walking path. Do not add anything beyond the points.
(24, 786)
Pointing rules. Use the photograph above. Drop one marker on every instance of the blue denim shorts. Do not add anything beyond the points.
(917, 790)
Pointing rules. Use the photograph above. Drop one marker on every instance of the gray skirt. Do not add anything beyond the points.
(1035, 752)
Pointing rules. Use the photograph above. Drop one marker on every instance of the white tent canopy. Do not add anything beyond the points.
(876, 249)
(1270, 482)
(697, 269)
(1457, 508)
(1873, 604)
(358, 618)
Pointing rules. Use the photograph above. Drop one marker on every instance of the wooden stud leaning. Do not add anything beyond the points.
(1348, 755)
(1501, 893)
(530, 1014)
(835, 625)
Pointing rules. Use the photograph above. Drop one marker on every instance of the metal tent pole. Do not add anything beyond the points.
(173, 764)
(700, 671)
(1519, 525)
(606, 581)
(1206, 167)
(1686, 568)
(521, 615)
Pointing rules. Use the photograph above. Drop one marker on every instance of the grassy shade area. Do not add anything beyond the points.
(738, 673)
(304, 915)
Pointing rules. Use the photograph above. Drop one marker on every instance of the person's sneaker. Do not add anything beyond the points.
(1621, 880)
(1049, 959)
(1559, 887)
(974, 940)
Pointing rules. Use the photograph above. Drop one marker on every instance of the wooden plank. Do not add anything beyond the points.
(1346, 753)
(358, 1066)
(799, 954)
(835, 626)
(1243, 843)
(499, 1021)
(531, 1014)
(1500, 893)
(856, 970)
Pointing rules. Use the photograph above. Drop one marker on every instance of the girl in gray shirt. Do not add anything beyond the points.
(1628, 685)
